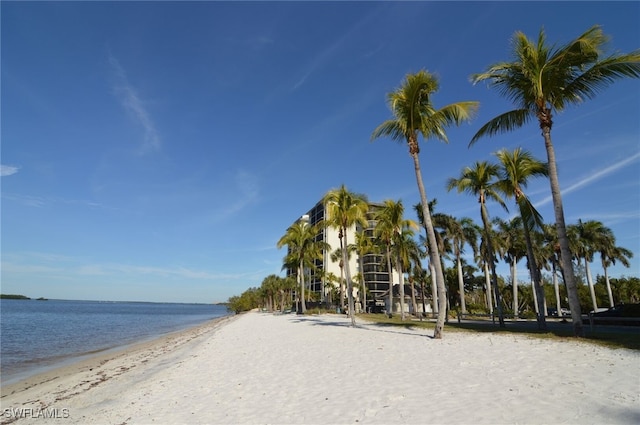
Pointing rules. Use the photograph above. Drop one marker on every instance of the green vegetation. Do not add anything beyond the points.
(562, 332)
(13, 297)
(541, 81)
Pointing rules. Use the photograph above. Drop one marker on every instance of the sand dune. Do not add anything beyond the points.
(260, 368)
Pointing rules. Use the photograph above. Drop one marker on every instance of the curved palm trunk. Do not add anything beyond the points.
(492, 263)
(463, 304)
(433, 248)
(590, 283)
(347, 273)
(606, 279)
(561, 228)
(363, 296)
(303, 306)
(389, 270)
(537, 281)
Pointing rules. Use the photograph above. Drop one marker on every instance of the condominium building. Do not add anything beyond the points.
(325, 277)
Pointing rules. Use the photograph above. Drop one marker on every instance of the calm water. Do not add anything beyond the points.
(36, 335)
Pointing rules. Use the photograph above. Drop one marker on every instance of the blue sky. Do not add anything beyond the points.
(157, 151)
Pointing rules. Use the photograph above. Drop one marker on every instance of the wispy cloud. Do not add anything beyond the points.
(134, 105)
(324, 56)
(33, 263)
(8, 170)
(247, 187)
(593, 177)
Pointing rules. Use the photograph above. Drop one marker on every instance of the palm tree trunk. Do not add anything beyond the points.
(590, 283)
(561, 228)
(606, 279)
(537, 280)
(303, 306)
(390, 272)
(347, 272)
(424, 304)
(463, 304)
(535, 299)
(433, 250)
(492, 263)
(556, 287)
(434, 288)
(514, 284)
(487, 280)
(414, 304)
(363, 283)
(401, 282)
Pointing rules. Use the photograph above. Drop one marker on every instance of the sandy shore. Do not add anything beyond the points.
(286, 369)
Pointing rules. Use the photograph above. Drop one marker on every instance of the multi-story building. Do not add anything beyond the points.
(327, 267)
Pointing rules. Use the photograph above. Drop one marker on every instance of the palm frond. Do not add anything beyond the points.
(503, 123)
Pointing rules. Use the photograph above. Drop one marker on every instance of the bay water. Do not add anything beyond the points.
(36, 335)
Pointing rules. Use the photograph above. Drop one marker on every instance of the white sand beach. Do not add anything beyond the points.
(260, 368)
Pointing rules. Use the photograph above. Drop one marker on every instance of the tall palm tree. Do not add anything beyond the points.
(303, 250)
(414, 113)
(480, 181)
(346, 210)
(516, 168)
(544, 79)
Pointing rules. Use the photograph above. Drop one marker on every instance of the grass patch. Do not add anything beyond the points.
(612, 337)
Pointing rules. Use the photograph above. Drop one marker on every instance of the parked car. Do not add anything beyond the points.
(554, 312)
(620, 310)
(619, 315)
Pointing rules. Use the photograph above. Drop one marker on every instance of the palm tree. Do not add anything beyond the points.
(394, 229)
(479, 181)
(516, 168)
(460, 232)
(336, 256)
(345, 210)
(413, 112)
(609, 253)
(415, 271)
(542, 80)
(425, 242)
(589, 237)
(510, 243)
(269, 287)
(389, 219)
(303, 250)
(285, 286)
(363, 246)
